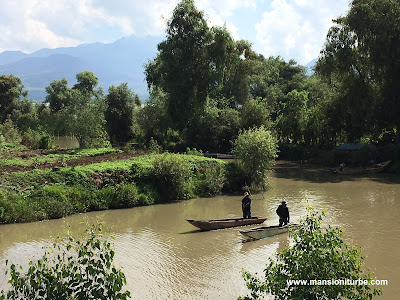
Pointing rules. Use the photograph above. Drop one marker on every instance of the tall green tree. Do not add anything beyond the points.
(58, 96)
(120, 102)
(292, 120)
(182, 66)
(11, 90)
(361, 56)
(78, 110)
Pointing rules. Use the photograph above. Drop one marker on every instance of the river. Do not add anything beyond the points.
(164, 257)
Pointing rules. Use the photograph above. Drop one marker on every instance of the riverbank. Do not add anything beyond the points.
(105, 180)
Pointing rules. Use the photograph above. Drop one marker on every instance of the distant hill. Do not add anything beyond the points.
(310, 66)
(115, 63)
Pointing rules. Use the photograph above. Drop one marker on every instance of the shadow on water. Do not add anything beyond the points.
(319, 174)
(192, 231)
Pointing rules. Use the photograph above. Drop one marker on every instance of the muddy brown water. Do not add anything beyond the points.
(164, 257)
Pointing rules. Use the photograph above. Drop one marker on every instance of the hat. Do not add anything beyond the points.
(283, 202)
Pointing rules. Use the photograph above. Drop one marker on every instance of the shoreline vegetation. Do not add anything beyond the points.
(142, 179)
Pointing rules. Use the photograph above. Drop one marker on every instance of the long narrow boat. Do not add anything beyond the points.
(225, 223)
(378, 168)
(266, 231)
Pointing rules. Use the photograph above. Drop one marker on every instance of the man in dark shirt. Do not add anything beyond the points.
(283, 213)
(246, 206)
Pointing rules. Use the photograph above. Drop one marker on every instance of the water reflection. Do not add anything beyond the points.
(164, 257)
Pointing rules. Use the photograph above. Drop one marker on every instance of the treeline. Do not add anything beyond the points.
(205, 88)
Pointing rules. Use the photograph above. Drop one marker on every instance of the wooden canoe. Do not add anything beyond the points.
(266, 231)
(378, 168)
(225, 223)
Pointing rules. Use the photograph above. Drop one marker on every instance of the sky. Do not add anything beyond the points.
(292, 29)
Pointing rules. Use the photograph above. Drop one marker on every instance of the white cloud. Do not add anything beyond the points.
(297, 28)
(290, 28)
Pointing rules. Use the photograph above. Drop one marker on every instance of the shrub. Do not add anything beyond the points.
(126, 195)
(256, 150)
(235, 176)
(212, 179)
(10, 132)
(80, 270)
(53, 201)
(173, 175)
(154, 147)
(194, 152)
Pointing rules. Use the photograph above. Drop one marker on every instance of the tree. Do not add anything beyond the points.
(214, 128)
(11, 90)
(86, 120)
(58, 96)
(78, 110)
(316, 254)
(74, 270)
(292, 120)
(120, 102)
(361, 56)
(256, 150)
(255, 113)
(86, 82)
(182, 67)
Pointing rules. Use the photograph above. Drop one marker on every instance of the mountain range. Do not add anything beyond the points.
(113, 64)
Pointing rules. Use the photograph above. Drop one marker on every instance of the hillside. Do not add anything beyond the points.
(121, 61)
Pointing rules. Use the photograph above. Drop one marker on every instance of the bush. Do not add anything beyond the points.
(37, 139)
(10, 132)
(126, 195)
(80, 270)
(53, 200)
(256, 150)
(173, 174)
(236, 177)
(194, 152)
(210, 178)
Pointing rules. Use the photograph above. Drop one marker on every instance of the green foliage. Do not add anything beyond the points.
(216, 68)
(37, 139)
(70, 270)
(121, 102)
(79, 110)
(359, 60)
(11, 90)
(316, 254)
(209, 179)
(10, 132)
(188, 37)
(154, 147)
(194, 151)
(214, 128)
(291, 122)
(44, 194)
(236, 177)
(255, 113)
(256, 149)
(173, 174)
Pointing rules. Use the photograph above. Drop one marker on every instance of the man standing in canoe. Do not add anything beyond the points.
(246, 206)
(283, 213)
